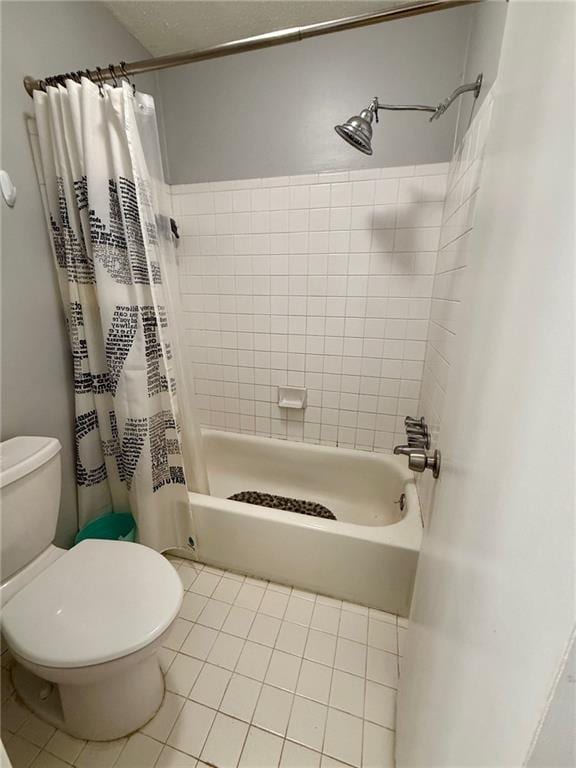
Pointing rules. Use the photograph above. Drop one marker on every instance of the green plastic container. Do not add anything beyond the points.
(118, 526)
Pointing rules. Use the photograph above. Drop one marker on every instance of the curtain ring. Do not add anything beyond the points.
(126, 75)
(123, 72)
(100, 81)
(112, 71)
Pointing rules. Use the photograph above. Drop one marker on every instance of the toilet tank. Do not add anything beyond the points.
(30, 484)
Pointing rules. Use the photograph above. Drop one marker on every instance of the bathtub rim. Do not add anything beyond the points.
(405, 533)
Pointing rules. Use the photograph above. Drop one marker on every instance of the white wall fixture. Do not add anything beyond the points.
(493, 607)
(292, 397)
(8, 189)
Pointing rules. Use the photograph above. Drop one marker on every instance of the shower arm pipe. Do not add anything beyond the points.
(406, 107)
(437, 111)
(267, 40)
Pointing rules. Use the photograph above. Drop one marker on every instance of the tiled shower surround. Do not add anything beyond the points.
(452, 268)
(321, 281)
(452, 261)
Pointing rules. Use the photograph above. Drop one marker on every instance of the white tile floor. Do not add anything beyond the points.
(258, 675)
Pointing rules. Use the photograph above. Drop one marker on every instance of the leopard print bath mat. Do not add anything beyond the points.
(283, 502)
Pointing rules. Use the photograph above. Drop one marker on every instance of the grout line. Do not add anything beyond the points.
(297, 680)
(364, 703)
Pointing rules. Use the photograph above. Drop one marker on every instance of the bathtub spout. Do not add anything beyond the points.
(405, 450)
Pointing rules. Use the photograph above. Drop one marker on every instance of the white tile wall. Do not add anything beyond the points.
(450, 278)
(323, 281)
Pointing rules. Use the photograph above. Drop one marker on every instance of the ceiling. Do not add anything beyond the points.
(171, 26)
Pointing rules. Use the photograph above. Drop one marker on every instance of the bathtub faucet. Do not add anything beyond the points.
(418, 459)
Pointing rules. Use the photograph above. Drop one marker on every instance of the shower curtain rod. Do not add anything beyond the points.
(267, 40)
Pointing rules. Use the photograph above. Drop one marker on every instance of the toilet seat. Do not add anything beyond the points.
(100, 601)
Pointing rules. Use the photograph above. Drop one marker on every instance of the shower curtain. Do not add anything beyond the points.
(138, 448)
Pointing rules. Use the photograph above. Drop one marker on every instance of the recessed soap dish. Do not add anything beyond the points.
(291, 397)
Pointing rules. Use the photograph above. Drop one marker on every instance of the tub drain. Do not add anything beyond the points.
(300, 506)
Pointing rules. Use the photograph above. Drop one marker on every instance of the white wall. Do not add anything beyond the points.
(493, 609)
(42, 38)
(322, 281)
(487, 22)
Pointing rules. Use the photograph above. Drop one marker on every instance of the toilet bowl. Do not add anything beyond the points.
(85, 634)
(83, 625)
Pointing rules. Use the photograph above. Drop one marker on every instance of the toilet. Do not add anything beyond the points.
(84, 625)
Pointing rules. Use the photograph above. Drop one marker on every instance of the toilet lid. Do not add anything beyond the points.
(100, 601)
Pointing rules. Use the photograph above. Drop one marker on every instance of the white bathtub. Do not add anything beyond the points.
(368, 555)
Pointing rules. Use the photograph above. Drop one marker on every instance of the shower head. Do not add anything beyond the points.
(357, 130)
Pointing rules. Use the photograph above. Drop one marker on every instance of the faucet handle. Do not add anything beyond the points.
(419, 440)
(410, 421)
